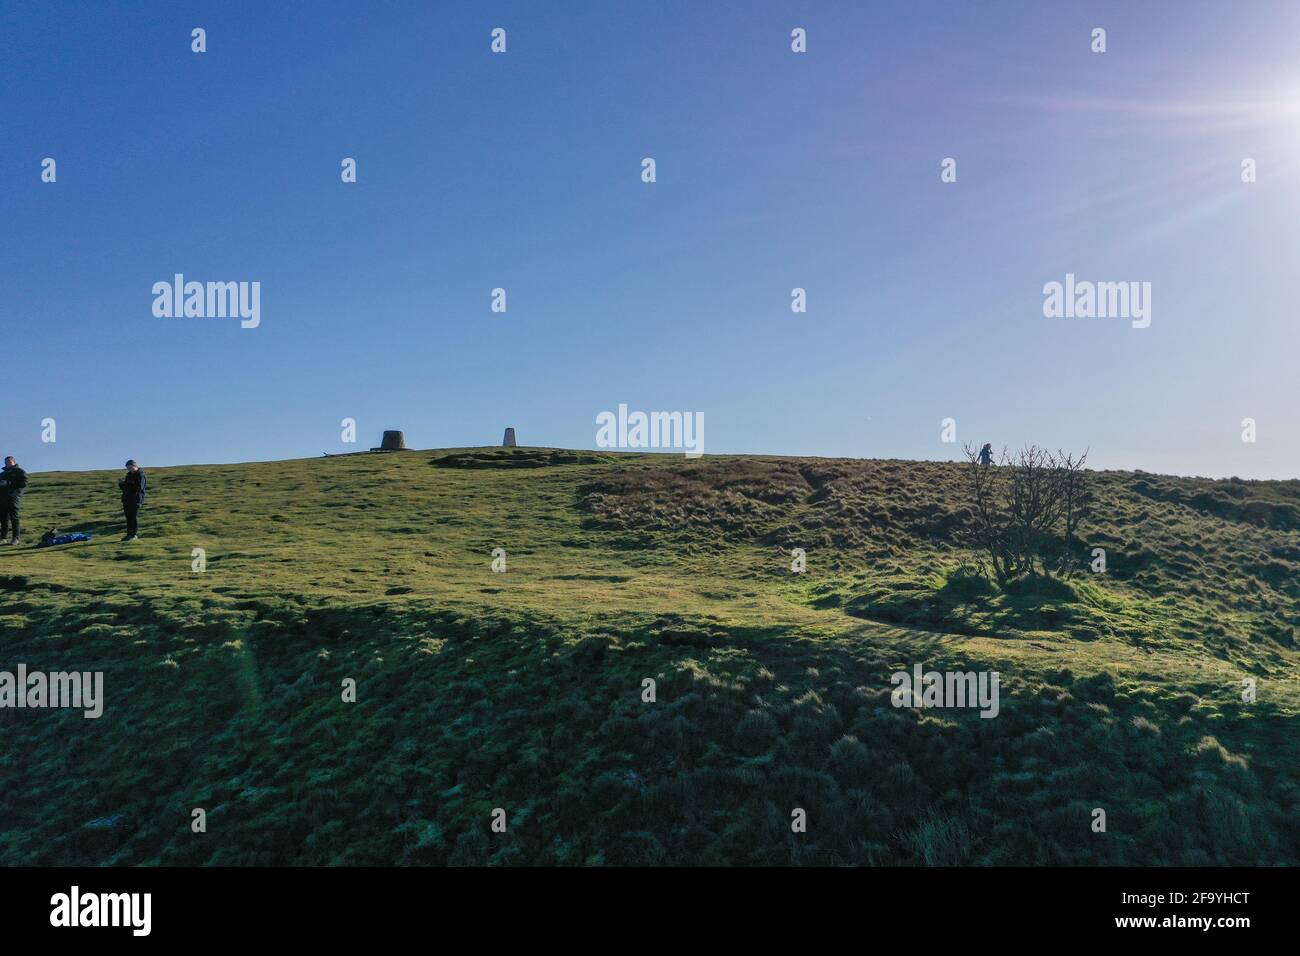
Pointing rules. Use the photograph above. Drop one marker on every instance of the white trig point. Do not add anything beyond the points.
(509, 440)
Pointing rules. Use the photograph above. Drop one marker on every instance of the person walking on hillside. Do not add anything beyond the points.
(986, 454)
(13, 482)
(132, 485)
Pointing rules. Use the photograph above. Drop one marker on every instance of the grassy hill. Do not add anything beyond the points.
(523, 690)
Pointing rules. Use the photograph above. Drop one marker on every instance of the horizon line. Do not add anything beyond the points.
(669, 453)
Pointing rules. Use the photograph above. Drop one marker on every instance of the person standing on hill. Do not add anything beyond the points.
(132, 485)
(13, 482)
(986, 454)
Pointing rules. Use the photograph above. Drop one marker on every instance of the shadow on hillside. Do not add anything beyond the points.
(968, 604)
(455, 709)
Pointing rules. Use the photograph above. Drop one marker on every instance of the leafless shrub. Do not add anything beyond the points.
(1028, 508)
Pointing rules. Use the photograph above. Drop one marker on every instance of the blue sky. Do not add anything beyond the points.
(775, 170)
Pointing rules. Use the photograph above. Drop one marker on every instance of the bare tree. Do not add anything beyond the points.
(1027, 509)
(1076, 503)
(985, 486)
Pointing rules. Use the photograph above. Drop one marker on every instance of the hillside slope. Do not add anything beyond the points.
(523, 690)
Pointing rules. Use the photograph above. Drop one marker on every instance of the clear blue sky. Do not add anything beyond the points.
(775, 170)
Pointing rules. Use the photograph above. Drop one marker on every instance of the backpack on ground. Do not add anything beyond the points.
(56, 537)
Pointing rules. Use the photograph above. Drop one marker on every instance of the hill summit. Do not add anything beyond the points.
(646, 659)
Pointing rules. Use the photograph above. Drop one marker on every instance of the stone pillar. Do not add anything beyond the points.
(509, 440)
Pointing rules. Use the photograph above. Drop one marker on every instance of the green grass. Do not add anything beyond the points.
(522, 690)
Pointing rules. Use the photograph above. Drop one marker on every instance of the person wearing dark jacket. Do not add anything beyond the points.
(13, 482)
(132, 485)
